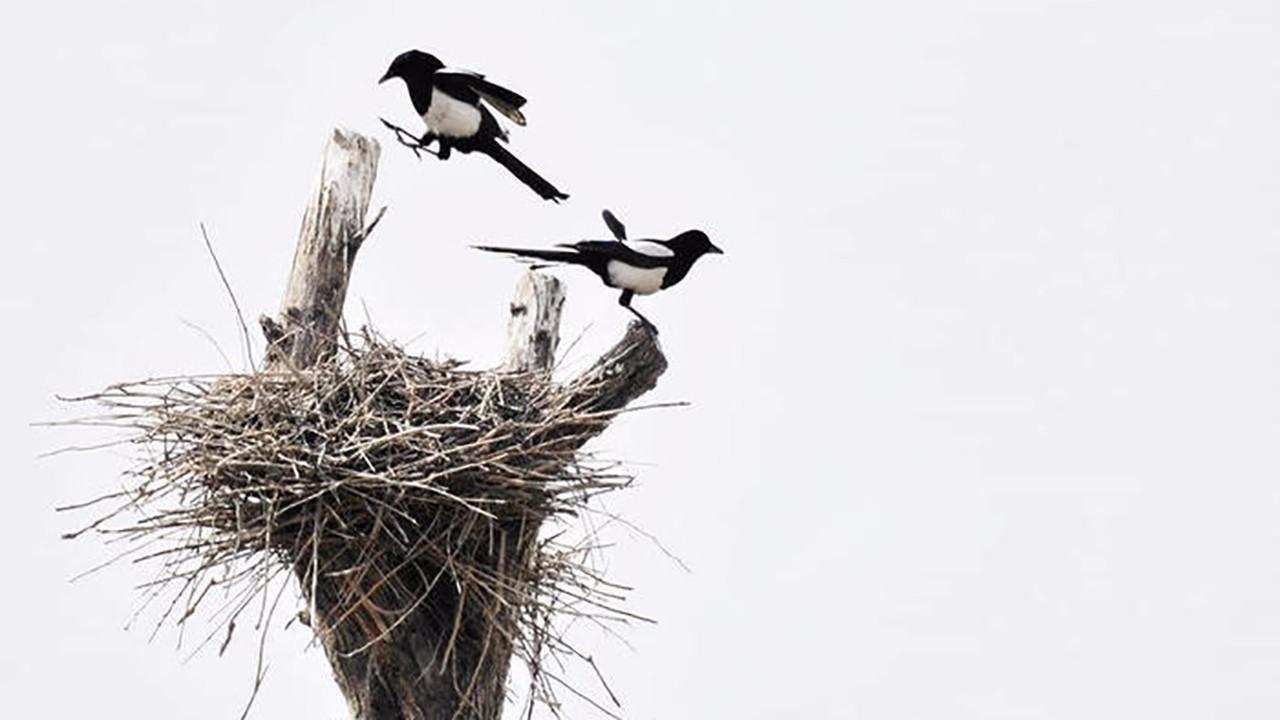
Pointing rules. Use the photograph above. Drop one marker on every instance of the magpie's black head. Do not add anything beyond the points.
(694, 243)
(413, 64)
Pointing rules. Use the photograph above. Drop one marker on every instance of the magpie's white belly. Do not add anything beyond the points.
(641, 281)
(450, 117)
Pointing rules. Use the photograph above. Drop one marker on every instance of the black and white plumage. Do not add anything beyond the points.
(636, 267)
(455, 104)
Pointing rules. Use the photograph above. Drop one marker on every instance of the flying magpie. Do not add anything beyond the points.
(449, 101)
(637, 267)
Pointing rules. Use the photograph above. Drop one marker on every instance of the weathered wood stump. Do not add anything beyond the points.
(407, 672)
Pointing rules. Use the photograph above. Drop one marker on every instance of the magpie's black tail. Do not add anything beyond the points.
(523, 172)
(554, 256)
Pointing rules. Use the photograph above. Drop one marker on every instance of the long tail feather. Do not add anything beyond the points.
(523, 172)
(554, 256)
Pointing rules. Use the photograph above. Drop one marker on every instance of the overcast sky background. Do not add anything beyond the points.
(984, 392)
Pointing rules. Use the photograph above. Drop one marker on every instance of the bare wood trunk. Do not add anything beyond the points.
(403, 676)
(333, 229)
(533, 331)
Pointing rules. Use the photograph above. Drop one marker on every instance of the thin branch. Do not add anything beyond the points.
(244, 329)
(409, 140)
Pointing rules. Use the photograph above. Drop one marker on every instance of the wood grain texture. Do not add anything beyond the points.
(333, 229)
(533, 330)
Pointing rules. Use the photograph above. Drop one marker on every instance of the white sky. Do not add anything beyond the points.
(985, 400)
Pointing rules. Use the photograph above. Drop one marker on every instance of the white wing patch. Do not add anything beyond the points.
(459, 71)
(647, 247)
(450, 117)
(641, 281)
(513, 113)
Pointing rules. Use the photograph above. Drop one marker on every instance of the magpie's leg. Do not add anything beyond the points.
(625, 301)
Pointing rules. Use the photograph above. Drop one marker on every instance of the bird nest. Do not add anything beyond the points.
(405, 496)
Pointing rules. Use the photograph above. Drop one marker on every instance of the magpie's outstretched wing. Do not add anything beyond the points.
(470, 86)
(615, 225)
(639, 253)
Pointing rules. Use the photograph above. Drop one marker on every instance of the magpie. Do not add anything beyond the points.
(449, 101)
(637, 267)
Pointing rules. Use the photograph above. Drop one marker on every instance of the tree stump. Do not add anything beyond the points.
(404, 676)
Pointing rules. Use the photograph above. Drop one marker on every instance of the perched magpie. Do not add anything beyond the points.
(449, 101)
(637, 267)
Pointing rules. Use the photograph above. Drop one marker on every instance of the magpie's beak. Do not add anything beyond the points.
(386, 77)
(716, 250)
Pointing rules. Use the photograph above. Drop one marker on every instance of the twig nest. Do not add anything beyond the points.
(404, 495)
